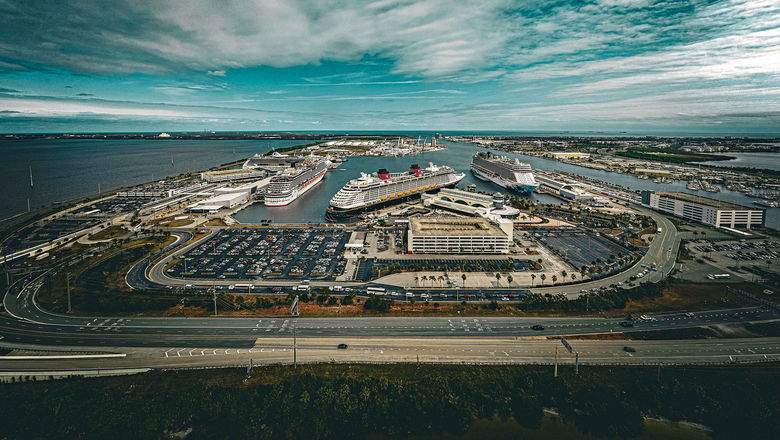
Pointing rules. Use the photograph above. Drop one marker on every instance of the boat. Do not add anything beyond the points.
(503, 171)
(271, 162)
(291, 183)
(383, 188)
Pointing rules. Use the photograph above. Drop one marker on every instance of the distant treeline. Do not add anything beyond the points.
(399, 401)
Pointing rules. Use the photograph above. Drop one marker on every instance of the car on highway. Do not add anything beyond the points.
(626, 324)
(537, 327)
(629, 349)
(503, 298)
(689, 314)
(342, 346)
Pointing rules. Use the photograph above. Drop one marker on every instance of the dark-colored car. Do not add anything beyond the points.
(537, 327)
(342, 346)
(629, 349)
(626, 324)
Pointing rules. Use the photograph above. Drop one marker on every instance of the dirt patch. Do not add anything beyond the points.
(108, 233)
(688, 296)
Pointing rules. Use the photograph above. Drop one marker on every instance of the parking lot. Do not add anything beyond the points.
(271, 254)
(743, 250)
(113, 205)
(369, 269)
(581, 248)
(47, 231)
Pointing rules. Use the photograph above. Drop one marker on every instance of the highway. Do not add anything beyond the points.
(29, 324)
(424, 350)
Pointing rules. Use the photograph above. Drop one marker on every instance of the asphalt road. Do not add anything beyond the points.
(423, 350)
(29, 324)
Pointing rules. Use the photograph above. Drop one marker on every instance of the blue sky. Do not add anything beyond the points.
(611, 65)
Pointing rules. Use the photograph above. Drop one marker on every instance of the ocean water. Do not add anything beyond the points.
(64, 169)
(68, 169)
(766, 161)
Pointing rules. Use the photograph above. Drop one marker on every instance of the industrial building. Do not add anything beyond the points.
(224, 198)
(232, 175)
(704, 210)
(569, 155)
(566, 190)
(456, 235)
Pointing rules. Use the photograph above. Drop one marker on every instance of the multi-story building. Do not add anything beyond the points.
(455, 235)
(704, 210)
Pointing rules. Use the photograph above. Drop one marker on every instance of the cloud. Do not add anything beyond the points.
(7, 90)
(216, 72)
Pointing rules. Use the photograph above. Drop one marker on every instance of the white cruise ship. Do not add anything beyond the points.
(503, 171)
(292, 182)
(384, 188)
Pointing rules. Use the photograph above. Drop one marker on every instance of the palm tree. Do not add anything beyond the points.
(424, 278)
(533, 277)
(573, 276)
(543, 277)
(563, 274)
(441, 280)
(417, 281)
(554, 278)
(463, 277)
(498, 277)
(509, 280)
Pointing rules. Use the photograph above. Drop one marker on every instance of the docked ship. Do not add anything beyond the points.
(373, 191)
(503, 171)
(291, 183)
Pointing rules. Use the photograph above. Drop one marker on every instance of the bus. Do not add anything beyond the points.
(376, 291)
(719, 276)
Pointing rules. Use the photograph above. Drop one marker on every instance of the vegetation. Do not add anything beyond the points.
(668, 154)
(360, 401)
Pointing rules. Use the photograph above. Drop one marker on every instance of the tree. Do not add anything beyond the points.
(498, 277)
(554, 279)
(543, 277)
(509, 279)
(463, 277)
(533, 277)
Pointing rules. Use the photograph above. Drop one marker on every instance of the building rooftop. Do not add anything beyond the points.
(438, 226)
(237, 171)
(705, 201)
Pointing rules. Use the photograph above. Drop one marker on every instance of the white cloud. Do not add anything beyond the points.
(216, 72)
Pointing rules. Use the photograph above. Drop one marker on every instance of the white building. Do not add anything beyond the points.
(470, 203)
(454, 235)
(704, 210)
(232, 175)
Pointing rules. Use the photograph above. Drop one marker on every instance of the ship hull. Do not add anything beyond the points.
(279, 201)
(526, 189)
(353, 214)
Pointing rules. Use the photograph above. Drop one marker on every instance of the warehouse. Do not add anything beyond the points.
(455, 235)
(704, 210)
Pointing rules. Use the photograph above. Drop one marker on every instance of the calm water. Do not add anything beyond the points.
(767, 161)
(67, 169)
(312, 205)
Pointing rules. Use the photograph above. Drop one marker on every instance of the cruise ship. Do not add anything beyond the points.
(292, 182)
(384, 188)
(503, 171)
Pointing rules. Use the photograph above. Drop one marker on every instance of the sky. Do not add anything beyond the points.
(294, 65)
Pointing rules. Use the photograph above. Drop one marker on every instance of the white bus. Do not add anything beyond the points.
(376, 291)
(719, 276)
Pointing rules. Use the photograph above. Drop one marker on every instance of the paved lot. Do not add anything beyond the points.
(115, 205)
(279, 253)
(368, 269)
(581, 248)
(47, 231)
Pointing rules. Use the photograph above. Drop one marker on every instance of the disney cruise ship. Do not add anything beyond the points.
(384, 188)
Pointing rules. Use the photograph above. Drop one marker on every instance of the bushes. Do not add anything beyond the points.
(379, 304)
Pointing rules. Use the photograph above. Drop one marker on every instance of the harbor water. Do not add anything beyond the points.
(67, 169)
